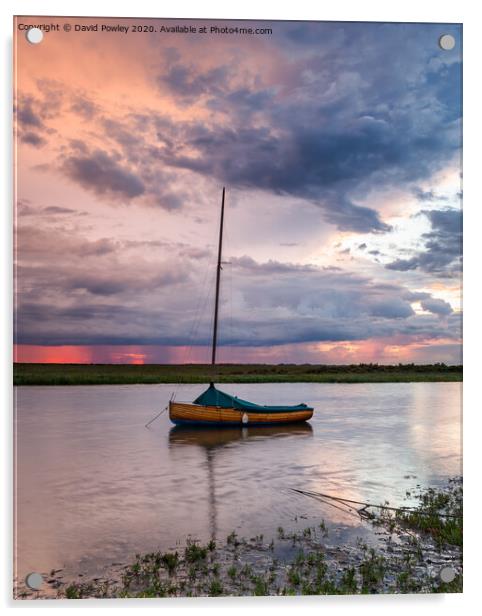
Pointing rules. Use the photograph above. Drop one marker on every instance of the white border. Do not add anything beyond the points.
(346, 10)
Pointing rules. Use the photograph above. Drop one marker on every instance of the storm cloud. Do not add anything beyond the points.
(321, 122)
(442, 251)
(346, 121)
(105, 299)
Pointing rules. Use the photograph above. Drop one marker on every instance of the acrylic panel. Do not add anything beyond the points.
(238, 348)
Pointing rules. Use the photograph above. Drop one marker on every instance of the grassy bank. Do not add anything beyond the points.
(110, 374)
(412, 551)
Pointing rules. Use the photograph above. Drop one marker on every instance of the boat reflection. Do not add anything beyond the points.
(211, 441)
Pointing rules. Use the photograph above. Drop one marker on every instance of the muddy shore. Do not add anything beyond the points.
(411, 551)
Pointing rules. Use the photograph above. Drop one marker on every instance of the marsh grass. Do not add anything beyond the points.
(240, 567)
(372, 570)
(216, 588)
(170, 561)
(195, 553)
(121, 374)
(439, 514)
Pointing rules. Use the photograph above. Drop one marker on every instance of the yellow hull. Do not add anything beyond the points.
(185, 413)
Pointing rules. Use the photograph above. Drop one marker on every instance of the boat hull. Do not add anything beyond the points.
(183, 413)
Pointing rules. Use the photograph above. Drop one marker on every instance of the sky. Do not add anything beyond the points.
(339, 145)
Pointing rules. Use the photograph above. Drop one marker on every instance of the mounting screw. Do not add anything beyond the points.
(447, 574)
(34, 581)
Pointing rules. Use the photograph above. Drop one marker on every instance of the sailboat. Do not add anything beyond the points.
(217, 408)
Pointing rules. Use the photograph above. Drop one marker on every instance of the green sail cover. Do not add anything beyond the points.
(215, 397)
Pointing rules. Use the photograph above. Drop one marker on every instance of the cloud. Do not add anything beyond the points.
(318, 120)
(427, 195)
(32, 139)
(26, 114)
(84, 107)
(55, 247)
(129, 139)
(351, 217)
(98, 248)
(416, 296)
(248, 264)
(341, 124)
(107, 297)
(311, 291)
(255, 158)
(327, 119)
(31, 126)
(188, 82)
(117, 283)
(436, 306)
(24, 209)
(57, 262)
(129, 171)
(55, 209)
(442, 252)
(103, 174)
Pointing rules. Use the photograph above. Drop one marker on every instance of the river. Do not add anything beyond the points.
(94, 486)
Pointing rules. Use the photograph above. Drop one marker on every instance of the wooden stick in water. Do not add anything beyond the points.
(320, 496)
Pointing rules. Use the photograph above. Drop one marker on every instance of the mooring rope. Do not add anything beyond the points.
(159, 414)
(154, 418)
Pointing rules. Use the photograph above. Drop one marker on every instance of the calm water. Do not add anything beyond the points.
(94, 486)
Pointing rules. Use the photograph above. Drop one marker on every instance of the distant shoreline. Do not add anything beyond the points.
(130, 374)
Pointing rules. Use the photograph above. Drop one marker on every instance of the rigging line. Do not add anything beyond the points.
(229, 273)
(198, 307)
(200, 311)
(320, 495)
(230, 339)
(194, 326)
(204, 291)
(204, 306)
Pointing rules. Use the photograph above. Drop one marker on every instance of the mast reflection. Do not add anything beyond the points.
(211, 441)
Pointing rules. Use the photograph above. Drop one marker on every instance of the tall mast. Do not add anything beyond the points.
(218, 279)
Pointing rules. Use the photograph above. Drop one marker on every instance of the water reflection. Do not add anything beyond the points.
(210, 440)
(93, 486)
